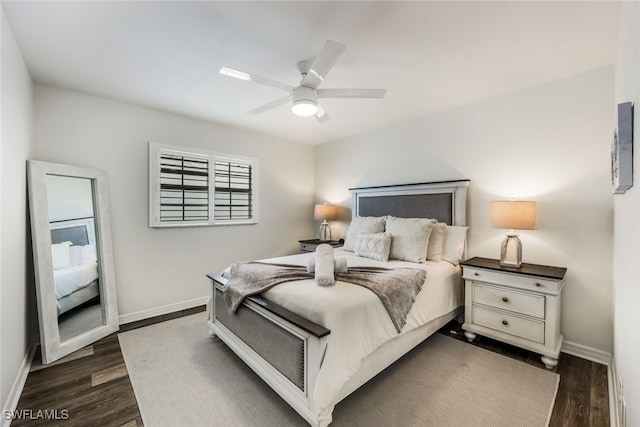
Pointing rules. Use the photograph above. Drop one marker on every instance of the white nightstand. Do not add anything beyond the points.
(519, 306)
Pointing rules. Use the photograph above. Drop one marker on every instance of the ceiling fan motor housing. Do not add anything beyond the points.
(305, 101)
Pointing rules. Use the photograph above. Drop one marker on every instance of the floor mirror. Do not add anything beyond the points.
(73, 257)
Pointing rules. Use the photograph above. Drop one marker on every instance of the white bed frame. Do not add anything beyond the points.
(315, 336)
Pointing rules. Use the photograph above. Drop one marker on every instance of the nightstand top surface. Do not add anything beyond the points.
(318, 241)
(526, 269)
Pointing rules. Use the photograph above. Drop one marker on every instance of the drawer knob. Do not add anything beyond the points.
(476, 274)
(505, 323)
(505, 299)
(538, 284)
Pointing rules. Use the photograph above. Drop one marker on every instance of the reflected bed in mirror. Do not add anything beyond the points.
(75, 282)
(75, 275)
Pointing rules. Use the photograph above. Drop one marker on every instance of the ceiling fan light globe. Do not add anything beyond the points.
(304, 108)
(304, 101)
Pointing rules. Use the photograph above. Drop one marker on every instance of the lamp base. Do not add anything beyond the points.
(511, 256)
(325, 232)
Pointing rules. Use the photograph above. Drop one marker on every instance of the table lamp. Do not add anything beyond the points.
(324, 212)
(514, 216)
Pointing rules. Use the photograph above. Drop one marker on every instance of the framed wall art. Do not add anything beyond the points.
(622, 150)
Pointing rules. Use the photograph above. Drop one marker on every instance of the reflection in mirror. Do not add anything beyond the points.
(73, 251)
(73, 259)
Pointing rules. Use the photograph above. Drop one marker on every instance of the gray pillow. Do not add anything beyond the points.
(410, 238)
(362, 225)
(375, 246)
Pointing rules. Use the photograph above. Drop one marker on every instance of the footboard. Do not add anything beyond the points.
(283, 348)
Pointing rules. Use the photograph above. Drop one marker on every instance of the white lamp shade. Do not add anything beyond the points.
(515, 215)
(324, 212)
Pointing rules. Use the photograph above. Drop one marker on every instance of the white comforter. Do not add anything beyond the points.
(69, 280)
(357, 319)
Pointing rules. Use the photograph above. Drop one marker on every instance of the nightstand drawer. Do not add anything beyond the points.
(528, 329)
(535, 284)
(506, 299)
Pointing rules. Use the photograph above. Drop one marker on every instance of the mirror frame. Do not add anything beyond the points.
(51, 347)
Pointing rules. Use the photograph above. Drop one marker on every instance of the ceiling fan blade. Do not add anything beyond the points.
(351, 93)
(242, 75)
(269, 106)
(323, 63)
(321, 115)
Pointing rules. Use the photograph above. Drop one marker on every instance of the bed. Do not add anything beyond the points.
(75, 268)
(316, 345)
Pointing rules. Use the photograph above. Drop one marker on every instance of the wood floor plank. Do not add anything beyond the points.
(96, 389)
(83, 352)
(107, 375)
(599, 414)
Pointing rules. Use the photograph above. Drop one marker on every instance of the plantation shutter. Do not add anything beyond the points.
(184, 188)
(195, 187)
(233, 190)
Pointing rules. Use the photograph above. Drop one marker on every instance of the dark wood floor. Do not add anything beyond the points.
(95, 390)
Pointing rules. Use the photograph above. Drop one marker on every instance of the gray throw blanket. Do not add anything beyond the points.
(396, 288)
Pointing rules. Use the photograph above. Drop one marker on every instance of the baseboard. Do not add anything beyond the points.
(584, 352)
(16, 389)
(159, 311)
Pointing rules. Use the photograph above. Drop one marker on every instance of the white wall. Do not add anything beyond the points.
(159, 267)
(16, 267)
(626, 271)
(549, 144)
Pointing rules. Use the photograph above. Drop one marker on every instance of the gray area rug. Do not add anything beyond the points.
(182, 376)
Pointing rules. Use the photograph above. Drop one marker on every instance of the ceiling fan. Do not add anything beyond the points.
(304, 97)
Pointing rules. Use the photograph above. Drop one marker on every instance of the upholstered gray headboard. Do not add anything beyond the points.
(80, 232)
(445, 201)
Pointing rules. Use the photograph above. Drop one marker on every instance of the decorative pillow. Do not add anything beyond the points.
(362, 224)
(61, 255)
(410, 237)
(455, 238)
(436, 242)
(374, 245)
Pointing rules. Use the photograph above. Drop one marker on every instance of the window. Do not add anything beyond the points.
(233, 190)
(184, 188)
(197, 187)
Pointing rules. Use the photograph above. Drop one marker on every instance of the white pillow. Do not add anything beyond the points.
(455, 238)
(82, 254)
(436, 242)
(374, 245)
(88, 254)
(410, 237)
(362, 225)
(75, 252)
(60, 255)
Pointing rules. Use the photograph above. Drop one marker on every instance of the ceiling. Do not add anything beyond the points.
(430, 56)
